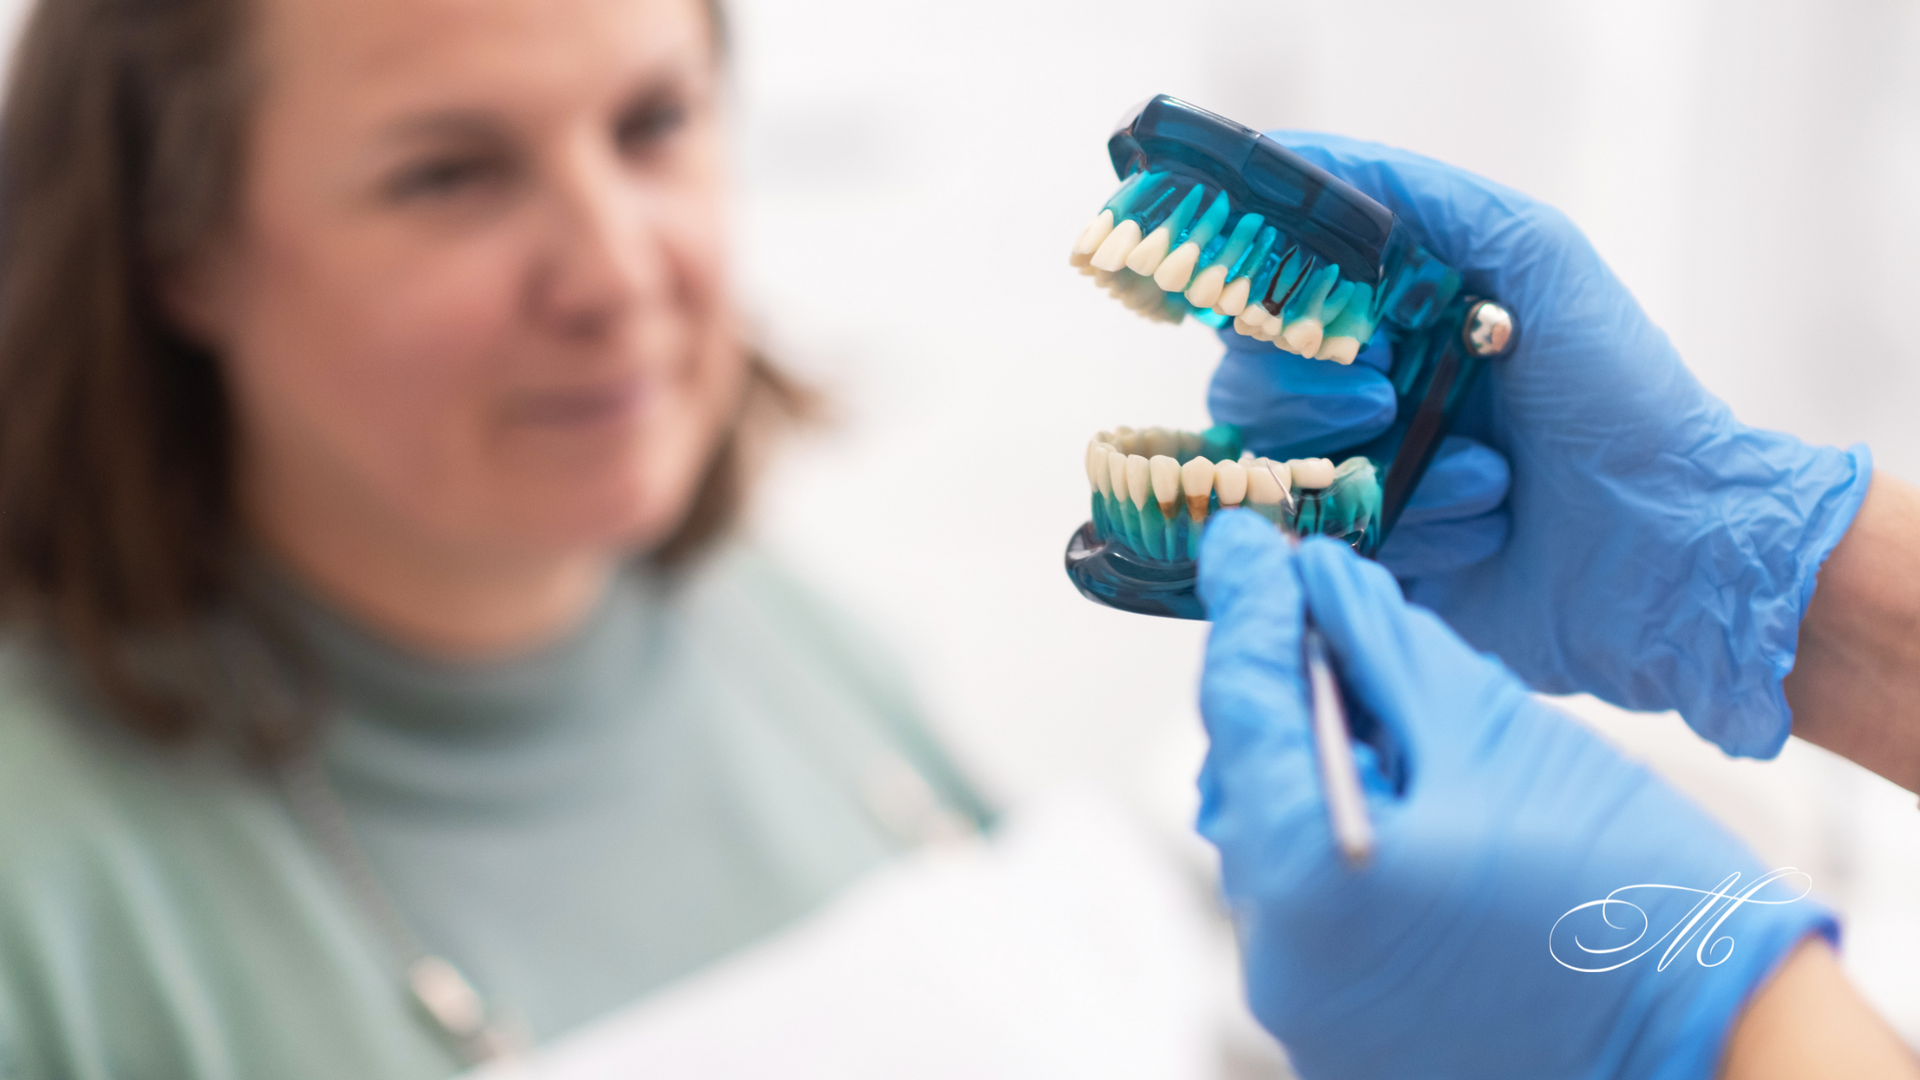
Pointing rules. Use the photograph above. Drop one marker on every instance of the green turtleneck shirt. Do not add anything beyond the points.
(687, 772)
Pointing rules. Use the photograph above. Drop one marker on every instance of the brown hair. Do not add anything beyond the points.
(120, 151)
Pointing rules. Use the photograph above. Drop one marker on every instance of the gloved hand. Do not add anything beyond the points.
(1289, 406)
(1661, 553)
(1447, 955)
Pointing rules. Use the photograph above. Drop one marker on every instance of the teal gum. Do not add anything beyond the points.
(1182, 215)
(1307, 298)
(1256, 256)
(1238, 243)
(1210, 223)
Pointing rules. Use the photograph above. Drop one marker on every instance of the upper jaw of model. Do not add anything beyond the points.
(1272, 289)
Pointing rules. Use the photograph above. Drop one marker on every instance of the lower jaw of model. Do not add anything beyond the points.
(1153, 490)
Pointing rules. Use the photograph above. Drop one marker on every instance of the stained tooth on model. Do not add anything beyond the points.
(1230, 483)
(1310, 473)
(1119, 243)
(1233, 300)
(1094, 234)
(1139, 484)
(1147, 255)
(1158, 441)
(1196, 481)
(1166, 484)
(1205, 290)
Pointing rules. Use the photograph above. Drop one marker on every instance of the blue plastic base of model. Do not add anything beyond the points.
(1111, 574)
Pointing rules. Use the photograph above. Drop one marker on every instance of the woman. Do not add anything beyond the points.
(371, 405)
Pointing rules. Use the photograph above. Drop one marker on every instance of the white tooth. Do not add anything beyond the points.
(1233, 301)
(1095, 457)
(1280, 472)
(1340, 350)
(1302, 336)
(1270, 328)
(1248, 322)
(1138, 482)
(1117, 246)
(1122, 431)
(1158, 442)
(1130, 442)
(1311, 473)
(1189, 441)
(1230, 482)
(1097, 466)
(1263, 488)
(1105, 437)
(1117, 473)
(1166, 483)
(1080, 262)
(1094, 234)
(1196, 480)
(1177, 270)
(1146, 258)
(1205, 290)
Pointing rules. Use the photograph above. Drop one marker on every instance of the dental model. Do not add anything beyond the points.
(1215, 222)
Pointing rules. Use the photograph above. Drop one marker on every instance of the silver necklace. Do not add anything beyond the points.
(443, 995)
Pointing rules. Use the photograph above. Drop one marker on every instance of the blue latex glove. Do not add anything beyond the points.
(1497, 817)
(1661, 553)
(1288, 406)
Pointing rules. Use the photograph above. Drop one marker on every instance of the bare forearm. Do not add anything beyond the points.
(1808, 1023)
(1855, 686)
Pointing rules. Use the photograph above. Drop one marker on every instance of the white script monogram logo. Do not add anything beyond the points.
(1593, 927)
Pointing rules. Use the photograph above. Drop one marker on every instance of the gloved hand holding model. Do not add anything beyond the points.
(1495, 817)
(1660, 554)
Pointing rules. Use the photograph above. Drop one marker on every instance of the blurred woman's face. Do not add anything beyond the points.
(475, 296)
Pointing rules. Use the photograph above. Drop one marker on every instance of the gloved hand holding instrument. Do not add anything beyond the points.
(1471, 944)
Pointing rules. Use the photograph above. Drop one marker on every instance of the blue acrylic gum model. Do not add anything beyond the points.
(1216, 222)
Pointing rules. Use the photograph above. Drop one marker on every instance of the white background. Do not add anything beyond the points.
(912, 175)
